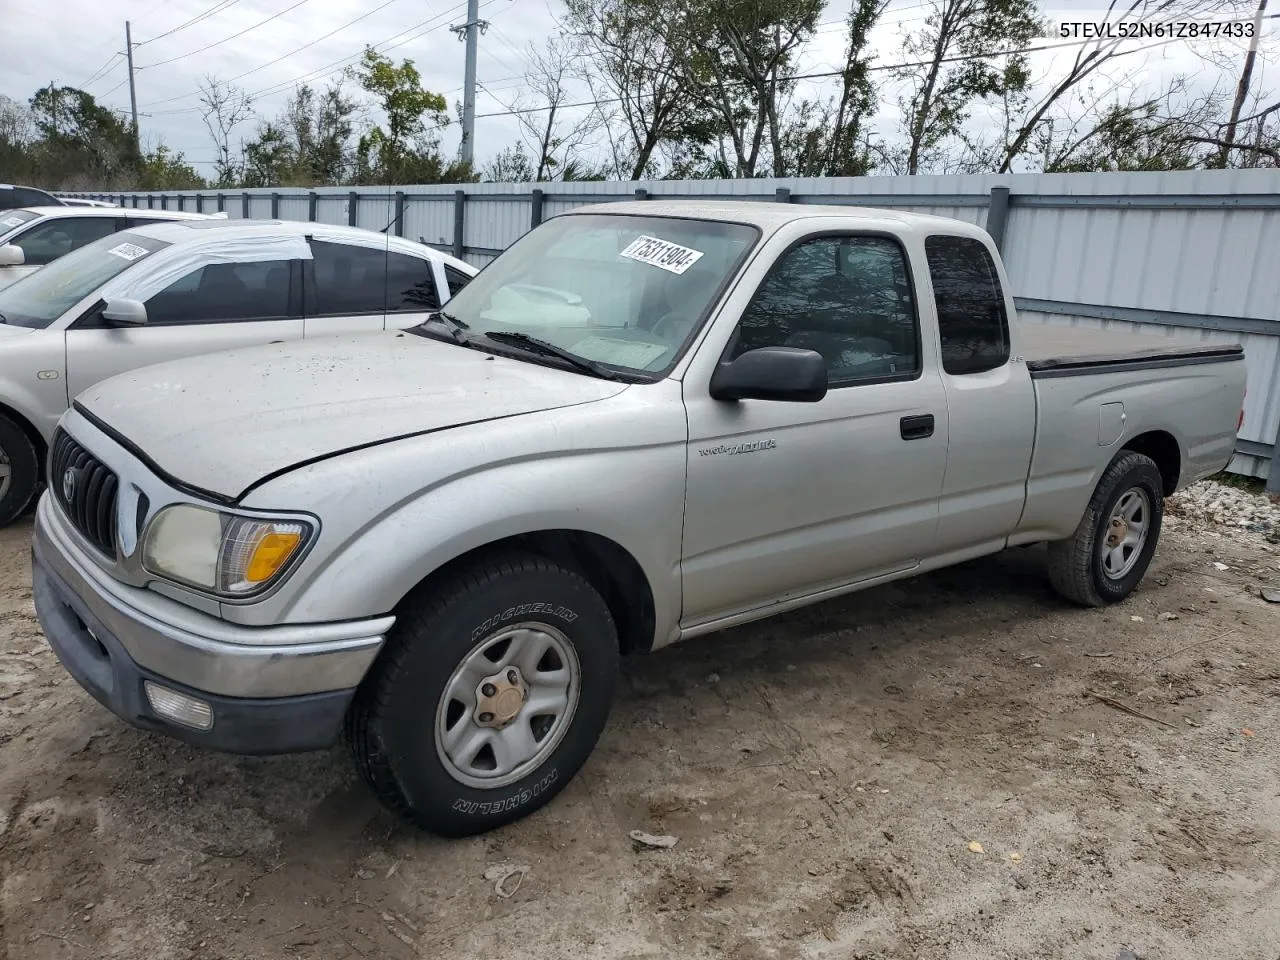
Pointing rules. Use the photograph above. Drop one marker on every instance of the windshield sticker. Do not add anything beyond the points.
(13, 221)
(620, 353)
(662, 253)
(129, 251)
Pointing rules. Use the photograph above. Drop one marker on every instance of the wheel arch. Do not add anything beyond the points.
(608, 566)
(1162, 447)
(23, 422)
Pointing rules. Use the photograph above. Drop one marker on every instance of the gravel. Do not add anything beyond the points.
(1208, 504)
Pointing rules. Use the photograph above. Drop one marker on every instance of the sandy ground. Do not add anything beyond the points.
(919, 771)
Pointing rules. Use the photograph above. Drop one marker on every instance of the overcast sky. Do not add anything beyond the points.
(80, 42)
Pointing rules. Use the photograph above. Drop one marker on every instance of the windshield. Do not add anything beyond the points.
(11, 220)
(627, 292)
(42, 297)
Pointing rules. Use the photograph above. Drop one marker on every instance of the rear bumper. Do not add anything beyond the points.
(264, 697)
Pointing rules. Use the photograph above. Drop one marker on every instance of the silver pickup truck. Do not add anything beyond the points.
(641, 423)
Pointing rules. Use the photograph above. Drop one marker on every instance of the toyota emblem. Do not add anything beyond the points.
(68, 484)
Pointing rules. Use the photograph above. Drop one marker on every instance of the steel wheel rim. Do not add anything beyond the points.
(1126, 533)
(494, 753)
(6, 472)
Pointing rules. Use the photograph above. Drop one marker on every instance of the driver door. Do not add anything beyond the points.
(787, 500)
(214, 307)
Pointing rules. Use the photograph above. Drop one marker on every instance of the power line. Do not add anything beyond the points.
(113, 89)
(333, 67)
(286, 56)
(219, 43)
(216, 8)
(102, 71)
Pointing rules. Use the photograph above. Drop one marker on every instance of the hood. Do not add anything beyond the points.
(222, 421)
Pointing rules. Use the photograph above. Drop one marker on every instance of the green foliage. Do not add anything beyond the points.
(406, 150)
(511, 165)
(162, 169)
(80, 141)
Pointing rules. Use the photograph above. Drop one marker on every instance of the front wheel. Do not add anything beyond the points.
(1108, 555)
(493, 690)
(19, 471)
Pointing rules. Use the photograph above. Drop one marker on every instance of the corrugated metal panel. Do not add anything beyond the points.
(260, 207)
(293, 207)
(332, 209)
(432, 221)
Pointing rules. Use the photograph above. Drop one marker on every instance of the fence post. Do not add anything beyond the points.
(782, 195)
(151, 202)
(642, 193)
(459, 221)
(222, 201)
(353, 202)
(1273, 469)
(122, 199)
(399, 213)
(535, 205)
(244, 205)
(312, 201)
(199, 203)
(998, 215)
(164, 202)
(275, 206)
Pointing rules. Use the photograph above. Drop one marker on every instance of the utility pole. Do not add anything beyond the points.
(1242, 89)
(133, 92)
(468, 32)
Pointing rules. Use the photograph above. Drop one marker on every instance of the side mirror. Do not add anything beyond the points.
(12, 255)
(772, 373)
(125, 313)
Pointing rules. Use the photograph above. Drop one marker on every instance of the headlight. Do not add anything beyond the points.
(227, 554)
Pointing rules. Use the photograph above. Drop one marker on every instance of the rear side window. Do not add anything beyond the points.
(456, 279)
(29, 197)
(224, 292)
(46, 242)
(972, 323)
(346, 279)
(411, 284)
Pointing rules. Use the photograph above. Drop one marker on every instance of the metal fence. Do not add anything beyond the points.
(1157, 252)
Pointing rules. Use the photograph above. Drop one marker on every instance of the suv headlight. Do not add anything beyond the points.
(227, 554)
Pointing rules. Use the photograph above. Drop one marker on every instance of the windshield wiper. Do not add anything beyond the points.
(551, 350)
(452, 324)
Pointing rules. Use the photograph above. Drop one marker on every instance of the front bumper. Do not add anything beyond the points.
(266, 697)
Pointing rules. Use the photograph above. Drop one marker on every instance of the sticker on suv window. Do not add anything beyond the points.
(129, 251)
(13, 221)
(662, 253)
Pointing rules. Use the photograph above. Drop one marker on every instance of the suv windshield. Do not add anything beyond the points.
(628, 292)
(42, 297)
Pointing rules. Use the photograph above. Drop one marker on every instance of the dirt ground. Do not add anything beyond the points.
(924, 770)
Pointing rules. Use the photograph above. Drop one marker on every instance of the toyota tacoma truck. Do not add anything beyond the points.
(641, 423)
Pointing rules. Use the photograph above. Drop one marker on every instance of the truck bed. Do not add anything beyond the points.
(1051, 350)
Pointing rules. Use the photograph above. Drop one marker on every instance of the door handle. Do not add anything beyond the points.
(916, 428)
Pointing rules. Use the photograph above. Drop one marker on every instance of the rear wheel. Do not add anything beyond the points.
(493, 690)
(1108, 555)
(19, 471)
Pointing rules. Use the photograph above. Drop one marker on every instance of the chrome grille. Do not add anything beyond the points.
(86, 490)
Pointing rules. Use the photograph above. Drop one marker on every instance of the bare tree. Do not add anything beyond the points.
(1092, 57)
(556, 137)
(636, 50)
(965, 52)
(224, 108)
